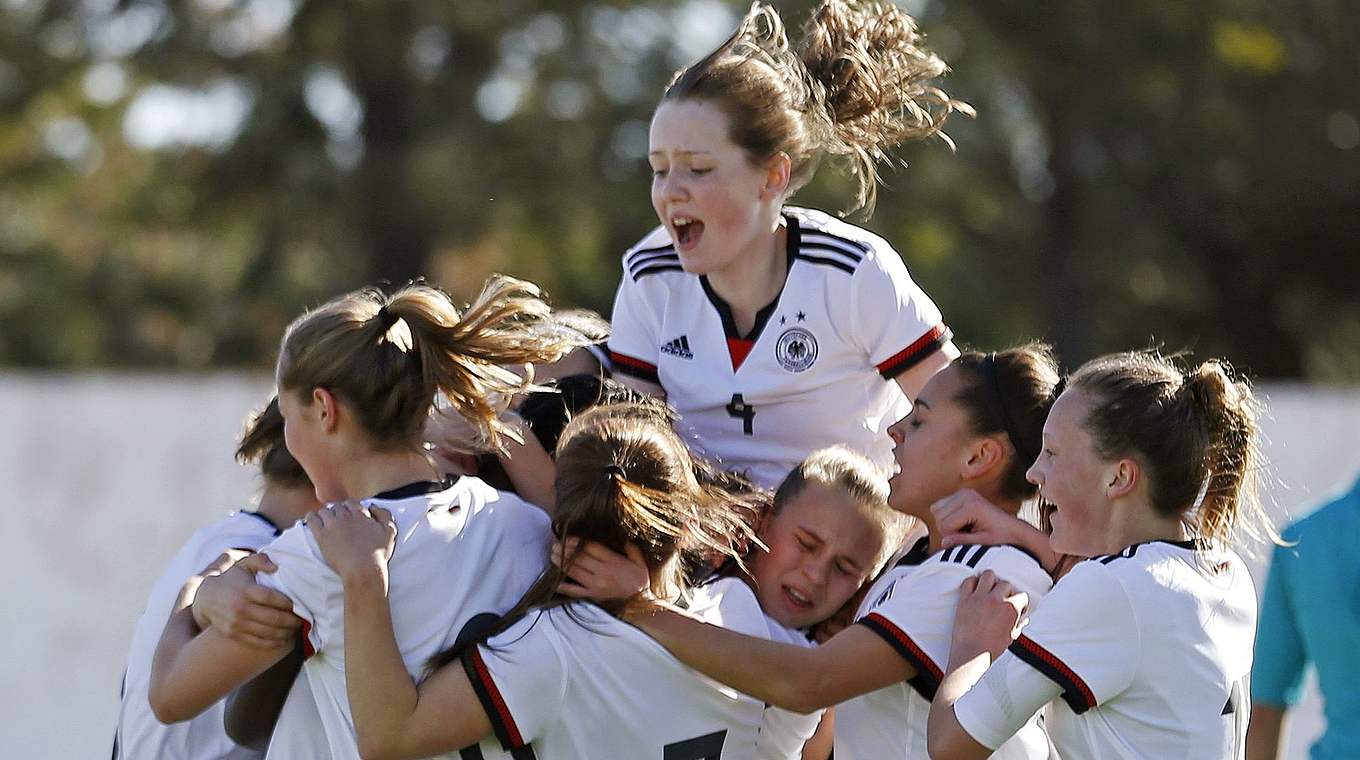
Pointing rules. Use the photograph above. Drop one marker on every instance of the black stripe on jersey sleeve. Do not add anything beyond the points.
(1076, 693)
(833, 251)
(497, 711)
(856, 248)
(631, 258)
(664, 265)
(909, 357)
(634, 367)
(928, 674)
(834, 263)
(641, 261)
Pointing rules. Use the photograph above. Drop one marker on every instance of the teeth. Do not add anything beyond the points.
(798, 597)
(681, 221)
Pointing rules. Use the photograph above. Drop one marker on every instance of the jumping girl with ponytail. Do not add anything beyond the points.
(555, 678)
(974, 430)
(775, 330)
(356, 381)
(1150, 471)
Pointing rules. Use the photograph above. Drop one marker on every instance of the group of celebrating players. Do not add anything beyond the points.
(789, 521)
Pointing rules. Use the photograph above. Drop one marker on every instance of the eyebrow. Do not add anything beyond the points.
(681, 152)
(922, 402)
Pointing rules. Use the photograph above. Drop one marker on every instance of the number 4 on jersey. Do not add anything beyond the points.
(743, 411)
(707, 747)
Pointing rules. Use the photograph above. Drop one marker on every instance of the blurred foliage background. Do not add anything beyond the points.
(179, 178)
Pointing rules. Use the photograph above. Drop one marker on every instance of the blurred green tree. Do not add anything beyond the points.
(178, 179)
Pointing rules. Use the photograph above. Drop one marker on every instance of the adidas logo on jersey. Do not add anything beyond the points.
(678, 347)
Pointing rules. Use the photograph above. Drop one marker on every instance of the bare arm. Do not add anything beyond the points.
(192, 669)
(530, 467)
(253, 710)
(820, 744)
(1266, 732)
(855, 661)
(984, 626)
(913, 380)
(392, 717)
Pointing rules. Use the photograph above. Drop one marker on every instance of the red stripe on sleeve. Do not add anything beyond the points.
(307, 649)
(903, 358)
(1067, 678)
(498, 701)
(633, 366)
(916, 654)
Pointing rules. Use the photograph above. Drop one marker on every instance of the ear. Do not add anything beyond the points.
(778, 171)
(985, 455)
(1123, 478)
(328, 406)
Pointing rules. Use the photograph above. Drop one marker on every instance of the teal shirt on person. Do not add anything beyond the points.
(1311, 614)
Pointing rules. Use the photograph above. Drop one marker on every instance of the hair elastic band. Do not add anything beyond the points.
(385, 317)
(615, 472)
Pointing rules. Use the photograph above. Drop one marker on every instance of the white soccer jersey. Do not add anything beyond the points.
(464, 552)
(572, 683)
(730, 603)
(140, 734)
(1149, 649)
(912, 608)
(817, 368)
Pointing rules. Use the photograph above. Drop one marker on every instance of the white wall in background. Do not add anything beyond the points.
(106, 475)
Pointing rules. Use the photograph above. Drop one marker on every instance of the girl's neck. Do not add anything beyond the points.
(1137, 523)
(285, 505)
(753, 279)
(1009, 506)
(380, 471)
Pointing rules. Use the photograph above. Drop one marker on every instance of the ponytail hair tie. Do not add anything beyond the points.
(614, 472)
(385, 318)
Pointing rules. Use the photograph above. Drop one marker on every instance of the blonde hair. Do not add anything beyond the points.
(856, 86)
(389, 356)
(1195, 433)
(848, 472)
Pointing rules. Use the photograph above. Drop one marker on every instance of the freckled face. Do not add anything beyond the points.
(822, 547)
(705, 190)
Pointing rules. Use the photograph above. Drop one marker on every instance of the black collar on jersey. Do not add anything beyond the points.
(418, 488)
(725, 312)
(273, 525)
(918, 553)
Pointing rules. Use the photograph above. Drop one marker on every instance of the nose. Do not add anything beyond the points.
(817, 570)
(896, 431)
(1034, 474)
(672, 188)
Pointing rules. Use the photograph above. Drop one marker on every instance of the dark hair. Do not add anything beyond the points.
(1194, 433)
(262, 443)
(1010, 393)
(548, 411)
(625, 478)
(390, 355)
(855, 87)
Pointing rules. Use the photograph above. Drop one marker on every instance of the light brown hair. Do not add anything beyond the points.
(389, 356)
(625, 478)
(1010, 393)
(856, 86)
(1194, 433)
(843, 470)
(262, 443)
